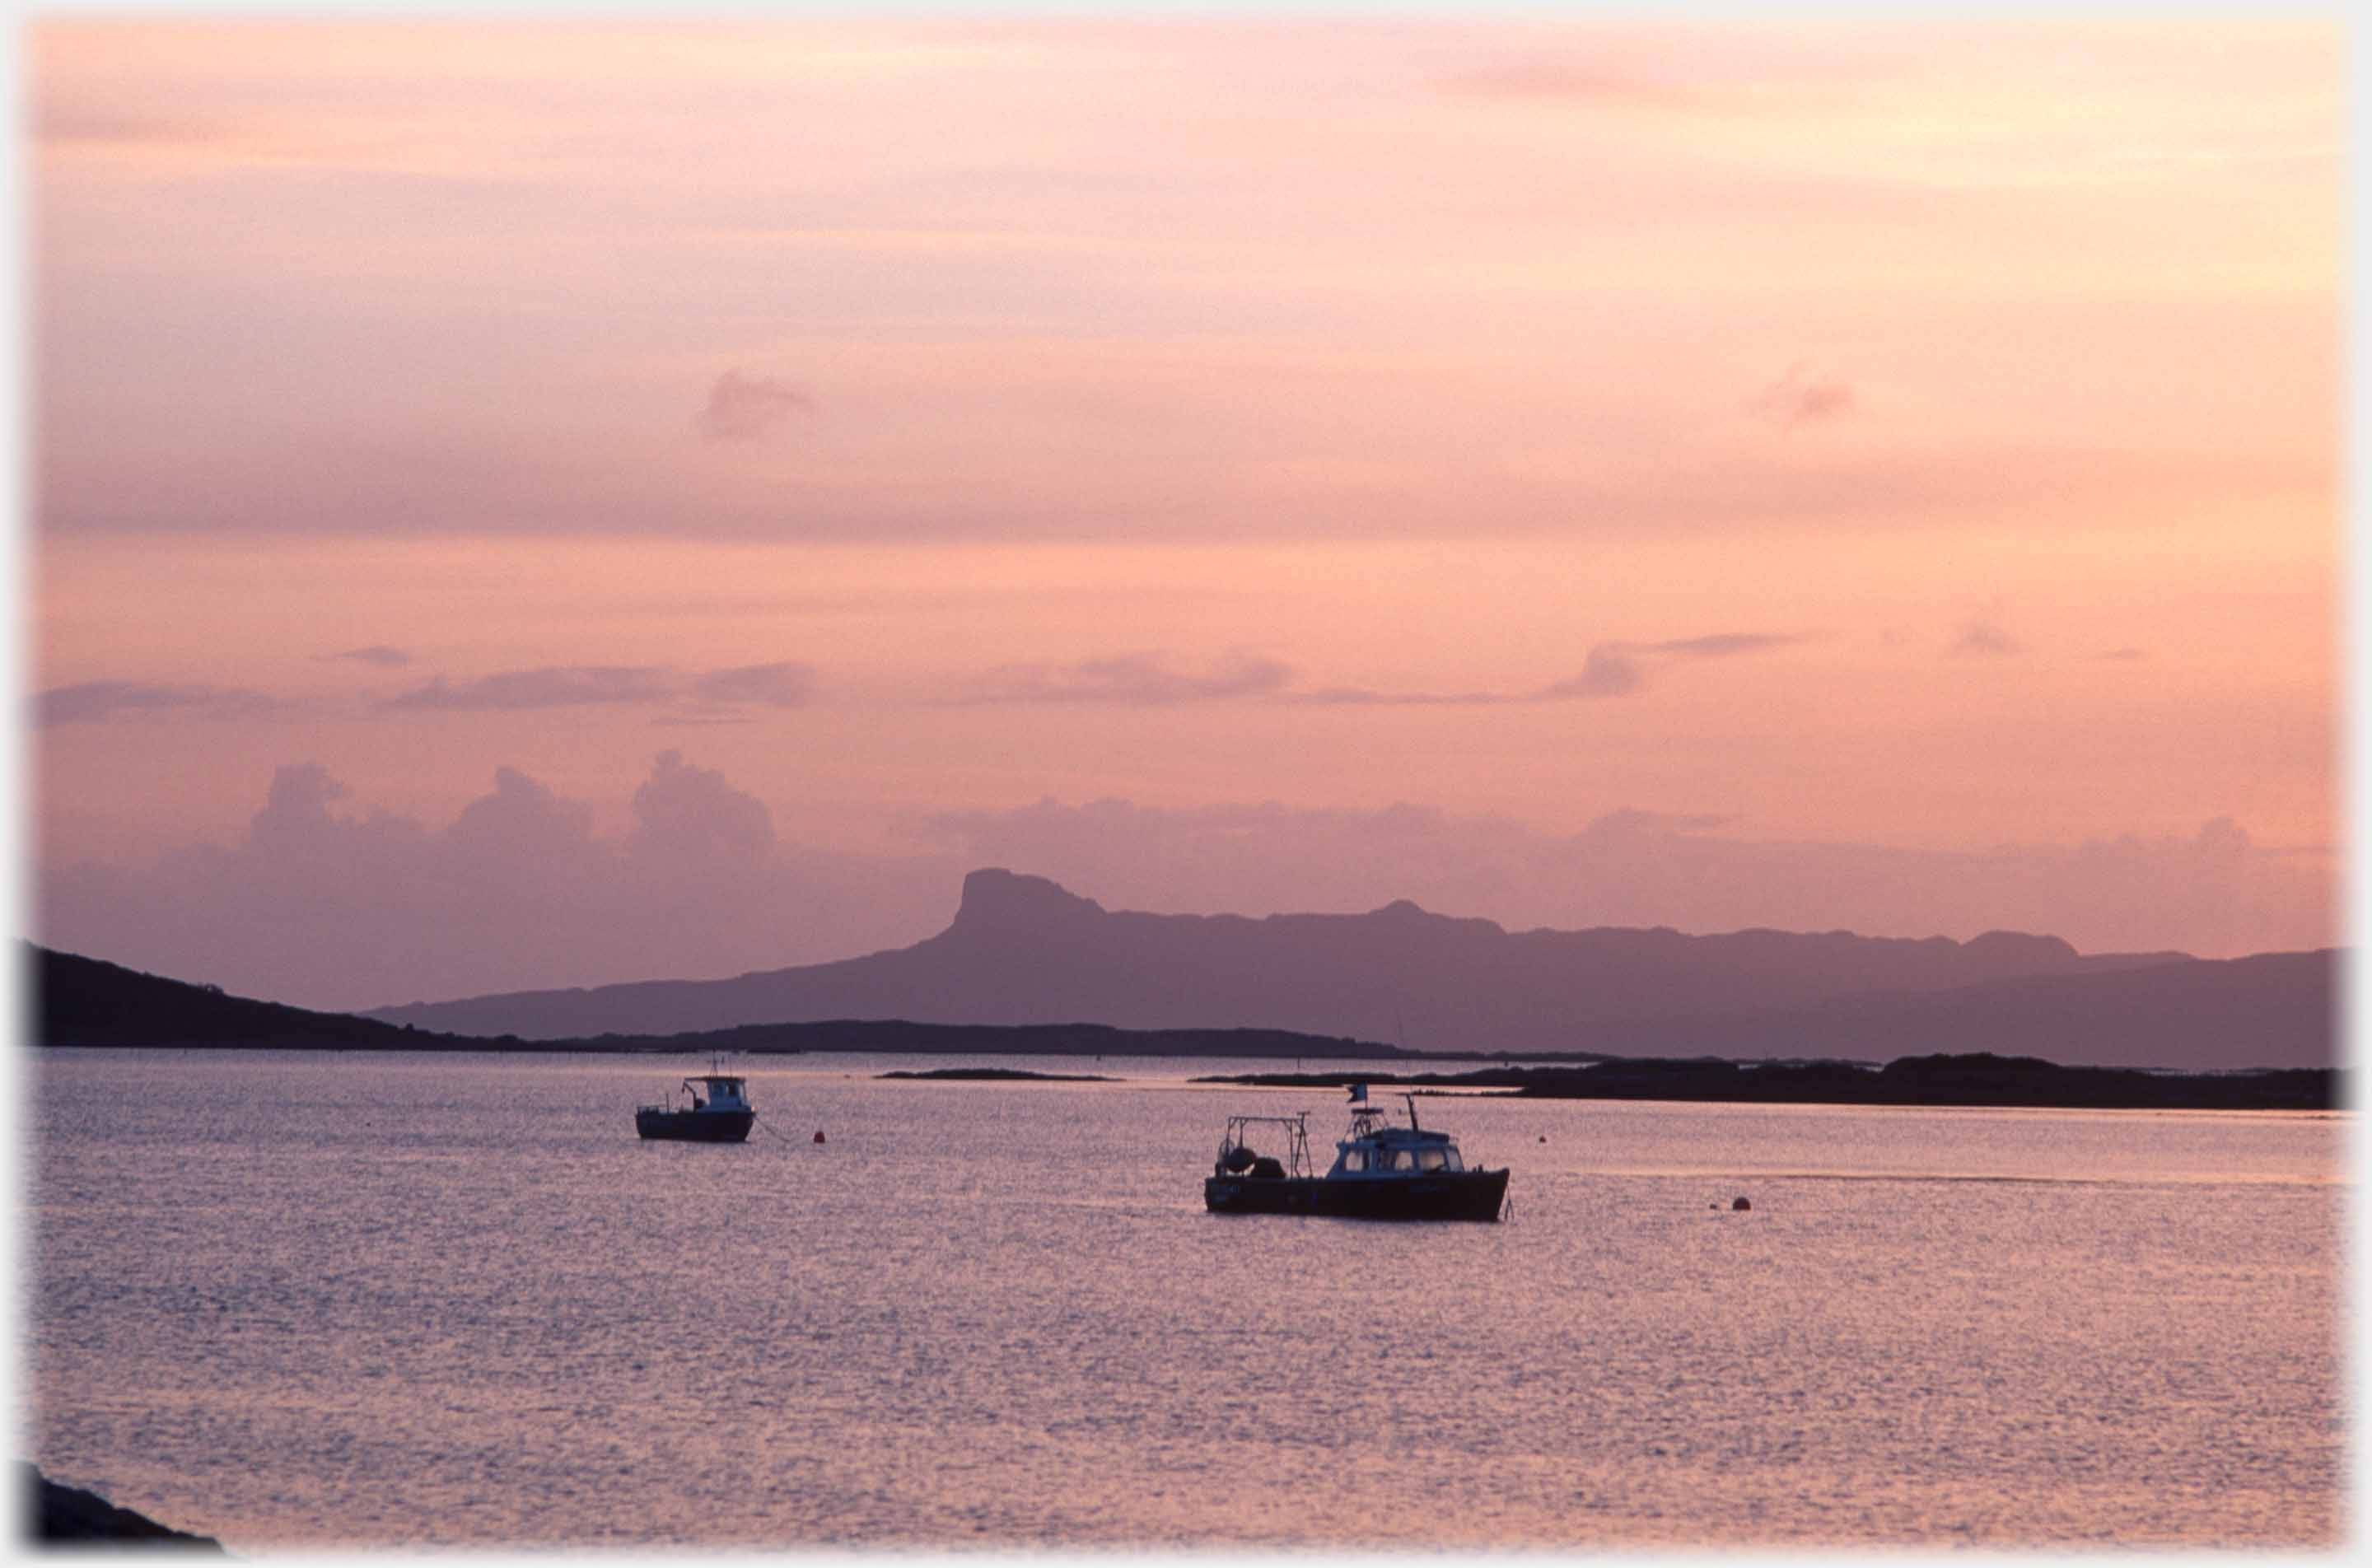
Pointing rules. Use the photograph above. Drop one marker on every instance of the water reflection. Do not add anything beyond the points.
(284, 1299)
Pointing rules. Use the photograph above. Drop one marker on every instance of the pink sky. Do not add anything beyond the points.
(1815, 473)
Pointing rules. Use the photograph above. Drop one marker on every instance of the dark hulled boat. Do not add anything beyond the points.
(719, 1112)
(1381, 1172)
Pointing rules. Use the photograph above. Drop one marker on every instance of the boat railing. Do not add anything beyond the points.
(1367, 1120)
(1295, 1129)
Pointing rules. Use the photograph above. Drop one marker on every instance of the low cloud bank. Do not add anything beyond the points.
(329, 905)
(93, 701)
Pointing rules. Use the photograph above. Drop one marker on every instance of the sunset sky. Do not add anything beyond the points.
(515, 503)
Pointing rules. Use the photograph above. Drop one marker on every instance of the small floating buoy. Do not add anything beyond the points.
(1544, 1137)
(1740, 1205)
(818, 1138)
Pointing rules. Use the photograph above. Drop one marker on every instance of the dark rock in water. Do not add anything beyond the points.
(1978, 1078)
(69, 1514)
(991, 1075)
(1740, 1205)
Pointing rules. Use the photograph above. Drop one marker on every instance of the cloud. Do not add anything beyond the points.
(784, 685)
(780, 685)
(300, 798)
(1791, 401)
(691, 816)
(559, 687)
(742, 408)
(92, 700)
(1364, 697)
(1618, 669)
(1129, 681)
(327, 903)
(522, 823)
(1609, 671)
(1629, 824)
(377, 654)
(1983, 639)
(1721, 644)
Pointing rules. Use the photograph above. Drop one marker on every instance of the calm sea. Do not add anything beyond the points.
(312, 1300)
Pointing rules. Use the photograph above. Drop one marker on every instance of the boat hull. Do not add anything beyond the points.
(1445, 1195)
(695, 1126)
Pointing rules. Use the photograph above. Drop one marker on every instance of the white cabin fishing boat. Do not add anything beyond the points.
(716, 1109)
(1380, 1171)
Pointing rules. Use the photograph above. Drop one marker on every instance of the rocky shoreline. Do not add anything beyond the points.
(57, 1513)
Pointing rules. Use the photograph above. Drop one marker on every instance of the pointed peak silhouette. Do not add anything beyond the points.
(1001, 897)
(1404, 920)
(2016, 948)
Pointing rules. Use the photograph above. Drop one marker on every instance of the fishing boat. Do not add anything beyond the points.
(718, 1112)
(1380, 1171)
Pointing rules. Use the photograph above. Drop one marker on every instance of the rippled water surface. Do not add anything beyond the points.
(301, 1300)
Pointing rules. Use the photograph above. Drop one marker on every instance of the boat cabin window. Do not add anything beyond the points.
(1403, 1159)
(1354, 1159)
(1430, 1159)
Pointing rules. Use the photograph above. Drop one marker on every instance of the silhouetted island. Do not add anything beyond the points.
(1022, 950)
(1979, 1078)
(995, 1076)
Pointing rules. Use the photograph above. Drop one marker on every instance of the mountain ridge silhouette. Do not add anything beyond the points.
(1022, 949)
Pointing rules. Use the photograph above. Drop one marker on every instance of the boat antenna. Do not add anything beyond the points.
(1410, 1096)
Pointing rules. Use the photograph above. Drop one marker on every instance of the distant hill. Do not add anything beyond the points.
(1023, 951)
(80, 1001)
(88, 1002)
(2200, 1014)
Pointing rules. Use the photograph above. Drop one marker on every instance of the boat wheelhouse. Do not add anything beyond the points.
(717, 1111)
(1380, 1171)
